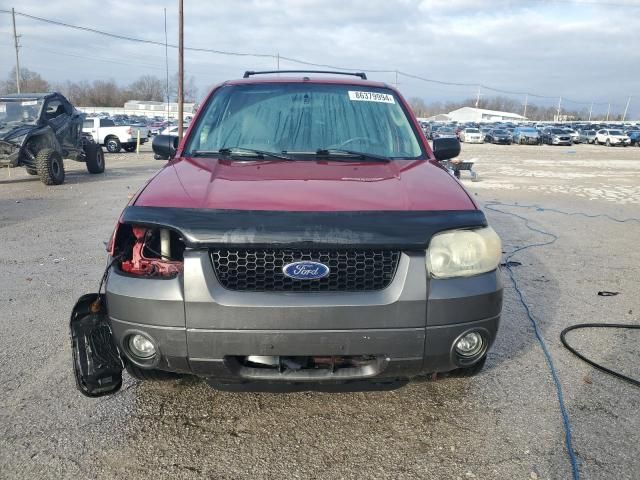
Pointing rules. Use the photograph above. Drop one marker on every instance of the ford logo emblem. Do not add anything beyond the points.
(305, 270)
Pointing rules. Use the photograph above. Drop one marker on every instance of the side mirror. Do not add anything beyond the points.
(164, 147)
(446, 148)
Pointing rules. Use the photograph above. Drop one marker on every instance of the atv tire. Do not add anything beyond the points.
(50, 167)
(95, 158)
(150, 374)
(113, 145)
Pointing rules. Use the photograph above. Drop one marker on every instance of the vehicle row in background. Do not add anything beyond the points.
(530, 133)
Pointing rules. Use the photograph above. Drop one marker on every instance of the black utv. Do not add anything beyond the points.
(39, 130)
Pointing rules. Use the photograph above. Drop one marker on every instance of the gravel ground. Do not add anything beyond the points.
(504, 423)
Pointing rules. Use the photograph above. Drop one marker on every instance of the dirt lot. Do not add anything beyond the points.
(504, 423)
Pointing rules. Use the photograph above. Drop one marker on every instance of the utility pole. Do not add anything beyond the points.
(624, 115)
(608, 110)
(478, 96)
(180, 67)
(166, 61)
(590, 110)
(559, 107)
(15, 42)
(526, 100)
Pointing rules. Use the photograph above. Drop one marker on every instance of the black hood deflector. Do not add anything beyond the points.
(375, 229)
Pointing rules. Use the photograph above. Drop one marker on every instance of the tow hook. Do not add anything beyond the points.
(97, 363)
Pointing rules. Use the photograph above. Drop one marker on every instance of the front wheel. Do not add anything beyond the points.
(50, 167)
(113, 145)
(607, 143)
(95, 158)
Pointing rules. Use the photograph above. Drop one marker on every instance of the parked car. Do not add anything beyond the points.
(555, 136)
(498, 136)
(39, 130)
(575, 136)
(634, 136)
(113, 137)
(526, 136)
(173, 129)
(612, 138)
(471, 135)
(295, 258)
(444, 132)
(587, 136)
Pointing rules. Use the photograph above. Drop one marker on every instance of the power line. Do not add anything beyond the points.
(296, 60)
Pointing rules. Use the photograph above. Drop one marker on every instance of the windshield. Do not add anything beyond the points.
(305, 118)
(20, 111)
(499, 132)
(472, 130)
(615, 132)
(558, 131)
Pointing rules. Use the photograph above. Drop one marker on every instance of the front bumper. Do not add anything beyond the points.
(201, 328)
(9, 154)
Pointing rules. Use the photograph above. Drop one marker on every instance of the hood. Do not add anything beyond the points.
(14, 133)
(398, 185)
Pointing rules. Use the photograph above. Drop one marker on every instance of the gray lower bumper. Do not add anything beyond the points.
(200, 328)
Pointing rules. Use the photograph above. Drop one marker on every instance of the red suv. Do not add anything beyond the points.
(302, 235)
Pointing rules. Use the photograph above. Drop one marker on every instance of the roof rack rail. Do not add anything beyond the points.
(249, 73)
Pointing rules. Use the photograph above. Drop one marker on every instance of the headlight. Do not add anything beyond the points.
(462, 253)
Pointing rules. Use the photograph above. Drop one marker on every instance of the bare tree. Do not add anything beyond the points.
(30, 82)
(418, 106)
(148, 88)
(190, 89)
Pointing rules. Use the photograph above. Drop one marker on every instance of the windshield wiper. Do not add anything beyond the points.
(350, 154)
(252, 152)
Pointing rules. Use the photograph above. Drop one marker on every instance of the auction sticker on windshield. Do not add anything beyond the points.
(371, 97)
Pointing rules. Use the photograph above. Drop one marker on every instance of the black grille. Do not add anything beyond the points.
(261, 270)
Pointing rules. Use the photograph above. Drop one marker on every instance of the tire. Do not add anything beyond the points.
(50, 167)
(32, 171)
(129, 148)
(607, 143)
(95, 158)
(113, 145)
(150, 374)
(471, 371)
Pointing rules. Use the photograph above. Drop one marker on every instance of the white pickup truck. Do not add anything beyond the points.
(114, 138)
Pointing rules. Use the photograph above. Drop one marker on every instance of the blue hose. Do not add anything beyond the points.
(554, 374)
(552, 239)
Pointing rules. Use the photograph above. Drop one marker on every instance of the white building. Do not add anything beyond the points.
(148, 109)
(470, 114)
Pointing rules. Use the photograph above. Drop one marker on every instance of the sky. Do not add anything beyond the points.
(581, 50)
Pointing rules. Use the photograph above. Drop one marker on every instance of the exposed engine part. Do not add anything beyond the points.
(144, 258)
(165, 244)
(296, 363)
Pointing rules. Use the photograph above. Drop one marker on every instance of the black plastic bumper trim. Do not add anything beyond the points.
(382, 229)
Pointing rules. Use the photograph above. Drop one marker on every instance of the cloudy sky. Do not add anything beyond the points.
(583, 50)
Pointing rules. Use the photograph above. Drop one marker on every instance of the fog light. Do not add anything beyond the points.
(469, 345)
(141, 346)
